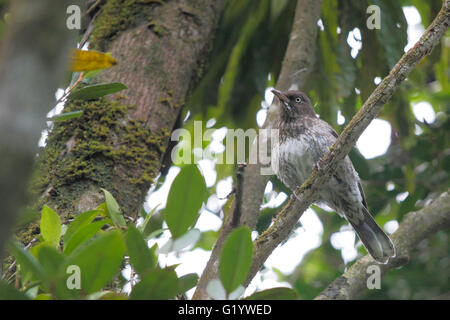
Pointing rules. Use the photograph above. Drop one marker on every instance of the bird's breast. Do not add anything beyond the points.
(293, 160)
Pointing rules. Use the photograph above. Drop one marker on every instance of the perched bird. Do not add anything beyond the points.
(303, 140)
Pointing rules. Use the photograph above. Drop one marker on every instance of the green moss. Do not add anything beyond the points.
(103, 148)
(157, 28)
(117, 16)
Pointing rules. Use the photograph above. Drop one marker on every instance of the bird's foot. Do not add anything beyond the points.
(319, 165)
(294, 196)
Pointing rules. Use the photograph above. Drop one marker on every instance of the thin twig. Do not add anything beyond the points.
(11, 267)
(80, 78)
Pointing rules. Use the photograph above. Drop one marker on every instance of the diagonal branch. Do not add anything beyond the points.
(292, 211)
(297, 65)
(415, 227)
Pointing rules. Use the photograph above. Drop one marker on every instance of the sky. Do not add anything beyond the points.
(373, 142)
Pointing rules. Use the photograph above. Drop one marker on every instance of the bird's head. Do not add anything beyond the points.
(294, 104)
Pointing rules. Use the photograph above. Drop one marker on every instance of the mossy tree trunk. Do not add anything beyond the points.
(119, 142)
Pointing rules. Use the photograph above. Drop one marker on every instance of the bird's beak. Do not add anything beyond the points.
(283, 99)
(280, 95)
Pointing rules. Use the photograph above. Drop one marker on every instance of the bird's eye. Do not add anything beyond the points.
(298, 99)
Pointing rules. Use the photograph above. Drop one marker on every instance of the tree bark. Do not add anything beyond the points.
(120, 141)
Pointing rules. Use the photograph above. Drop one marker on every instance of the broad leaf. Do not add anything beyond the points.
(185, 200)
(26, 260)
(187, 282)
(160, 284)
(236, 258)
(142, 258)
(50, 226)
(99, 262)
(207, 240)
(51, 260)
(8, 292)
(274, 294)
(114, 209)
(82, 235)
(80, 221)
(97, 91)
(66, 116)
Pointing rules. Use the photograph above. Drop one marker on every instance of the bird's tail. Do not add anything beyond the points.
(374, 239)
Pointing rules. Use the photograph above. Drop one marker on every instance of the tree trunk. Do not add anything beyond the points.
(33, 58)
(119, 142)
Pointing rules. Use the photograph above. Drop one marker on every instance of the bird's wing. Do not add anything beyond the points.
(325, 135)
(363, 196)
(330, 136)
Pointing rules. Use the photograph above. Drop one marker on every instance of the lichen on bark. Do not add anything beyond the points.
(117, 16)
(97, 150)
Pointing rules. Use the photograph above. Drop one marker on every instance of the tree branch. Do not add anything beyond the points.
(297, 64)
(415, 227)
(306, 194)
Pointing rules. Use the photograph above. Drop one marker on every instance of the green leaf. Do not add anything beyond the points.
(160, 284)
(91, 74)
(114, 210)
(66, 116)
(392, 35)
(26, 260)
(97, 91)
(142, 258)
(99, 261)
(185, 200)
(79, 222)
(274, 294)
(109, 295)
(8, 292)
(147, 217)
(236, 258)
(82, 235)
(155, 234)
(265, 219)
(236, 59)
(51, 260)
(187, 282)
(154, 224)
(207, 240)
(50, 226)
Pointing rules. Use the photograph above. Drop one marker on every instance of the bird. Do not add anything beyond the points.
(303, 140)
